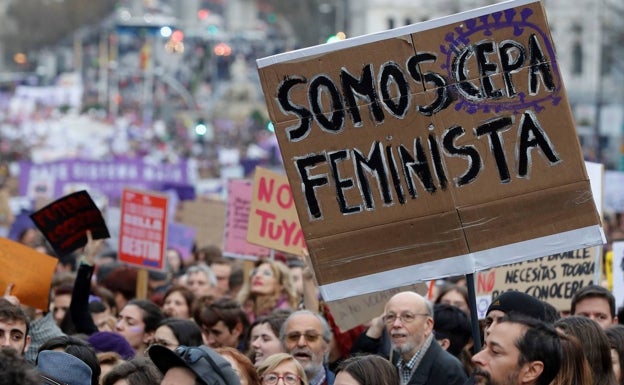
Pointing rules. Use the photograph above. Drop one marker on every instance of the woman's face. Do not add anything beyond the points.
(131, 326)
(175, 306)
(286, 367)
(263, 280)
(454, 298)
(264, 342)
(344, 378)
(174, 260)
(615, 361)
(164, 336)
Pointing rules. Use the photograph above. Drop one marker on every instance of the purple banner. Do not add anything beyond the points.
(107, 177)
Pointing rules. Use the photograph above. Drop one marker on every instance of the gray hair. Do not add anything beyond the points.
(327, 333)
(203, 268)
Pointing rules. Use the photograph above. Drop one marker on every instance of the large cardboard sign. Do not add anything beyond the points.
(143, 229)
(237, 221)
(273, 220)
(65, 221)
(28, 270)
(435, 149)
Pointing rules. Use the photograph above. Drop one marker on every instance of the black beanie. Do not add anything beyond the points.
(519, 303)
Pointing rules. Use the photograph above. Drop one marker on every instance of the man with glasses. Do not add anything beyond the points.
(306, 336)
(192, 365)
(408, 320)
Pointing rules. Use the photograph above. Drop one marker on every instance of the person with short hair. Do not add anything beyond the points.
(518, 350)
(223, 323)
(307, 336)
(201, 280)
(264, 336)
(222, 269)
(595, 302)
(189, 365)
(513, 301)
(408, 318)
(282, 366)
(173, 332)
(138, 371)
(14, 327)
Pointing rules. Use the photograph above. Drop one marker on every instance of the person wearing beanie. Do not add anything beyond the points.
(55, 367)
(516, 302)
(111, 342)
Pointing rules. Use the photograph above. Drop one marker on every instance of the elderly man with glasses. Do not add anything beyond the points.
(306, 336)
(408, 321)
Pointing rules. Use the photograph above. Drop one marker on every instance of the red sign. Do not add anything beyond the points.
(143, 229)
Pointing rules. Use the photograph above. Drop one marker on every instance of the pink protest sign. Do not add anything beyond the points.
(236, 222)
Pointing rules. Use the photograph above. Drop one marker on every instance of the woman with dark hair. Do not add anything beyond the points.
(241, 365)
(137, 323)
(367, 370)
(264, 336)
(454, 295)
(173, 332)
(615, 335)
(595, 346)
(178, 302)
(574, 368)
(138, 371)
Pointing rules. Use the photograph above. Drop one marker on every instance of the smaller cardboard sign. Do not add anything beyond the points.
(236, 222)
(65, 221)
(354, 311)
(273, 220)
(181, 238)
(143, 229)
(553, 278)
(28, 270)
(208, 219)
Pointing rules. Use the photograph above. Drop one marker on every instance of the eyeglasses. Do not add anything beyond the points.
(309, 336)
(288, 378)
(405, 318)
(264, 272)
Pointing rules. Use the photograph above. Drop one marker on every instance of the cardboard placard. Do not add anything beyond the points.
(143, 229)
(553, 279)
(65, 221)
(237, 220)
(273, 220)
(208, 219)
(28, 270)
(435, 149)
(351, 312)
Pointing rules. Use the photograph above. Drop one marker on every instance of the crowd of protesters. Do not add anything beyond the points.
(215, 320)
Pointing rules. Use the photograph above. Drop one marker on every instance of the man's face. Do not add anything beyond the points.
(222, 273)
(218, 335)
(497, 362)
(411, 325)
(304, 340)
(60, 304)
(199, 285)
(597, 309)
(13, 335)
(492, 319)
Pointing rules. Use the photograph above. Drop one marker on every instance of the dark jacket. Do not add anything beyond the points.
(438, 367)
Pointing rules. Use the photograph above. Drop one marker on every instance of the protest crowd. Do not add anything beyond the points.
(209, 320)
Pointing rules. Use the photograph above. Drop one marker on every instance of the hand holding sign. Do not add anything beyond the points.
(91, 249)
(11, 298)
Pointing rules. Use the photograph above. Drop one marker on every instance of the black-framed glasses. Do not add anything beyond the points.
(309, 336)
(273, 378)
(406, 318)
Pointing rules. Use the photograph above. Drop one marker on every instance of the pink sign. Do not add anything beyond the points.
(236, 222)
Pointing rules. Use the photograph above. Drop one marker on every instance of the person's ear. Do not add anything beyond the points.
(531, 371)
(26, 343)
(238, 329)
(445, 343)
